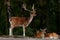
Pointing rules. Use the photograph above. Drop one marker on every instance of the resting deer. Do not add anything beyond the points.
(52, 35)
(21, 21)
(40, 34)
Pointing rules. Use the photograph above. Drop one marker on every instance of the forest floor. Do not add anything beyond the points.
(4, 37)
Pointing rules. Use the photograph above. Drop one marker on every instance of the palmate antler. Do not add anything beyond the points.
(24, 6)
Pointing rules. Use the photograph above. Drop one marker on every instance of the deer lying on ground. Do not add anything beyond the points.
(47, 35)
(43, 34)
(40, 34)
(52, 35)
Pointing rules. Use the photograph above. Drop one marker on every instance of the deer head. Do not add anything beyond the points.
(43, 30)
(32, 12)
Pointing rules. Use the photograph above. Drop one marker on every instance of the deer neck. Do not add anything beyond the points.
(29, 20)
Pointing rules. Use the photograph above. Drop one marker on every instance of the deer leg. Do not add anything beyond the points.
(10, 31)
(23, 31)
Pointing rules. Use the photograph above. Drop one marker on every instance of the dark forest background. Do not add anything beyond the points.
(48, 16)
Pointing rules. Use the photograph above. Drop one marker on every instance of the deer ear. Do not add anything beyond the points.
(40, 29)
(45, 29)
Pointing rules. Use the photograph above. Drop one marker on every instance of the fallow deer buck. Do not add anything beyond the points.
(21, 21)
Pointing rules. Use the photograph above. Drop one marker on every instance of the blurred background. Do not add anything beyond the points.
(48, 16)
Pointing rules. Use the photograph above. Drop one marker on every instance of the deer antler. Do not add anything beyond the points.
(24, 6)
(33, 9)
